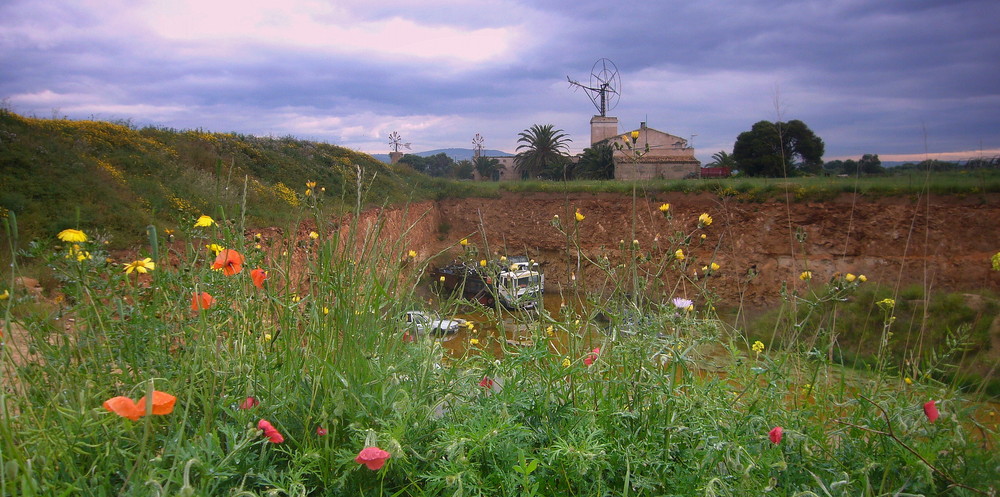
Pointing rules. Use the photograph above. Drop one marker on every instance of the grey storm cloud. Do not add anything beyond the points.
(893, 77)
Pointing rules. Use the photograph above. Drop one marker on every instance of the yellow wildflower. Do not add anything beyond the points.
(75, 252)
(72, 236)
(664, 208)
(464, 242)
(704, 220)
(474, 341)
(550, 331)
(704, 236)
(579, 217)
(204, 222)
(5, 295)
(142, 266)
(313, 235)
(862, 278)
(267, 337)
(715, 267)
(806, 275)
(326, 310)
(679, 254)
(412, 254)
(908, 380)
(850, 277)
(441, 279)
(566, 362)
(308, 192)
(310, 184)
(482, 262)
(215, 248)
(758, 346)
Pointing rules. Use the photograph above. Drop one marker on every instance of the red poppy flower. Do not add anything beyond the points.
(321, 431)
(592, 356)
(124, 407)
(775, 434)
(407, 337)
(931, 411)
(270, 432)
(201, 300)
(486, 383)
(373, 457)
(258, 276)
(163, 403)
(249, 403)
(229, 261)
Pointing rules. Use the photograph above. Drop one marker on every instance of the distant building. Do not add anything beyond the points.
(506, 171)
(660, 155)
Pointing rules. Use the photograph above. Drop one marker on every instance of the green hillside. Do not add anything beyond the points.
(58, 173)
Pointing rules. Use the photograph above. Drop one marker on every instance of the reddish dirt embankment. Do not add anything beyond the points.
(940, 242)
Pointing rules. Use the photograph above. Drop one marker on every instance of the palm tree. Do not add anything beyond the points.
(722, 159)
(542, 147)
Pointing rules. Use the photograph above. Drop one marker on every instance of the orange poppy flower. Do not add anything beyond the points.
(258, 276)
(229, 261)
(201, 301)
(163, 403)
(124, 407)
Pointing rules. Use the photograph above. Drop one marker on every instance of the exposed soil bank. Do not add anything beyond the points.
(939, 242)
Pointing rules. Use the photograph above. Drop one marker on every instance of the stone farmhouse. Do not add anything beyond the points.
(668, 156)
(655, 154)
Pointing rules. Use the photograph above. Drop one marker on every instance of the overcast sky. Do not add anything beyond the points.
(891, 77)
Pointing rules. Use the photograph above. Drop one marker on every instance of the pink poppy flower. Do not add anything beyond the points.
(249, 403)
(321, 431)
(592, 356)
(373, 457)
(931, 411)
(775, 434)
(270, 431)
(486, 383)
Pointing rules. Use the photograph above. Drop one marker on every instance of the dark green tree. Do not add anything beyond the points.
(597, 162)
(541, 147)
(778, 149)
(416, 162)
(870, 164)
(440, 165)
(487, 167)
(463, 169)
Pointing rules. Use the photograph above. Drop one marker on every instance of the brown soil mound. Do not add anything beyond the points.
(939, 242)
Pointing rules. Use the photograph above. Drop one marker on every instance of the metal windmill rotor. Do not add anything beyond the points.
(395, 141)
(477, 145)
(605, 85)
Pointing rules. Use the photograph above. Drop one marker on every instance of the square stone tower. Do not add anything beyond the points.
(602, 128)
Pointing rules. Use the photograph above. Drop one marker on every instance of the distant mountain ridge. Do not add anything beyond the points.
(456, 154)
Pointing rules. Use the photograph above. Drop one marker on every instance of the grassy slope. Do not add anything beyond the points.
(57, 174)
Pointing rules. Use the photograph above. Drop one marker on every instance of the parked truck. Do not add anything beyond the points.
(514, 283)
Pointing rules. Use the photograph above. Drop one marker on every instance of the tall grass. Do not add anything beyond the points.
(681, 404)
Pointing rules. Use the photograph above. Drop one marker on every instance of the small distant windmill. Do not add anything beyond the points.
(605, 85)
(477, 146)
(396, 141)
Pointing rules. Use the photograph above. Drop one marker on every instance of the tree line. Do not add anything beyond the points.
(768, 149)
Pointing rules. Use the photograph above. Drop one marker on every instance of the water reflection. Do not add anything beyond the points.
(504, 331)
